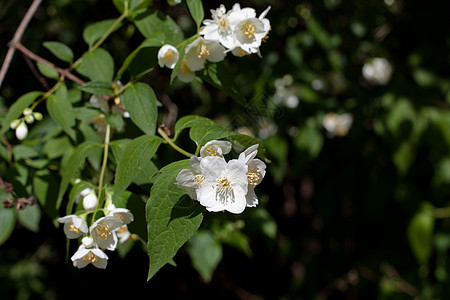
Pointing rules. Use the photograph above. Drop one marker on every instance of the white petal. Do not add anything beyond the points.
(217, 52)
(206, 194)
(238, 205)
(251, 198)
(237, 173)
(213, 167)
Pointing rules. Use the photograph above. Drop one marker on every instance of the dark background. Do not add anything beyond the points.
(342, 205)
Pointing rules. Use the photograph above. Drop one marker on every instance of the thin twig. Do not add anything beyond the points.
(17, 37)
(64, 72)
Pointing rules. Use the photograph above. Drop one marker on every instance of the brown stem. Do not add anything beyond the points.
(64, 72)
(17, 37)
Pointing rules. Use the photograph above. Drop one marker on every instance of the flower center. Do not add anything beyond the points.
(223, 23)
(254, 176)
(223, 187)
(212, 152)
(119, 217)
(123, 229)
(168, 55)
(103, 231)
(184, 68)
(197, 180)
(73, 228)
(249, 30)
(203, 51)
(90, 257)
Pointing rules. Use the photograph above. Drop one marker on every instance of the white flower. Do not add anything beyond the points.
(122, 214)
(255, 174)
(224, 186)
(377, 71)
(168, 56)
(184, 73)
(90, 200)
(103, 231)
(219, 28)
(249, 31)
(21, 131)
(238, 51)
(200, 50)
(337, 125)
(88, 253)
(123, 234)
(215, 148)
(190, 179)
(74, 226)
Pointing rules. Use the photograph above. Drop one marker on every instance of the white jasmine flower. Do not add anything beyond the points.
(168, 56)
(74, 226)
(377, 71)
(190, 179)
(87, 253)
(90, 200)
(200, 50)
(103, 231)
(224, 186)
(219, 28)
(184, 73)
(215, 148)
(337, 125)
(123, 234)
(249, 31)
(122, 214)
(255, 174)
(21, 131)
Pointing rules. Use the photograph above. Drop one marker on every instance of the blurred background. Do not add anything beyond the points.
(351, 100)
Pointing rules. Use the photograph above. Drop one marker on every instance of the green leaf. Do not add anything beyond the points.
(7, 223)
(144, 58)
(140, 102)
(206, 254)
(44, 191)
(30, 217)
(131, 4)
(218, 75)
(47, 71)
(16, 109)
(420, 233)
(171, 218)
(97, 65)
(94, 32)
(309, 139)
(196, 10)
(60, 109)
(73, 165)
(135, 155)
(60, 50)
(97, 88)
(156, 23)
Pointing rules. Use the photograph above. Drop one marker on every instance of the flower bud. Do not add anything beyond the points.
(88, 242)
(37, 116)
(27, 111)
(14, 124)
(21, 131)
(168, 56)
(90, 201)
(29, 119)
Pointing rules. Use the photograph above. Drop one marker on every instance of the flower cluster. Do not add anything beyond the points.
(20, 126)
(103, 234)
(220, 185)
(238, 31)
(377, 71)
(337, 124)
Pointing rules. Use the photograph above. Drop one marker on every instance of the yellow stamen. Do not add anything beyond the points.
(212, 152)
(103, 231)
(249, 30)
(73, 228)
(197, 180)
(254, 176)
(184, 68)
(90, 257)
(168, 55)
(223, 187)
(203, 51)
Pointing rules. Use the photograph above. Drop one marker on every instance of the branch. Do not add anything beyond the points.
(64, 72)
(17, 37)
